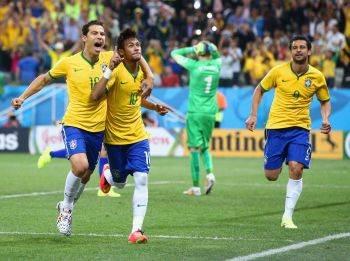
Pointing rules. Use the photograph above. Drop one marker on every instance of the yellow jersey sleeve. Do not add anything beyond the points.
(269, 81)
(60, 69)
(322, 92)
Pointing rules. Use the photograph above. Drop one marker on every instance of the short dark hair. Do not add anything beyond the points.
(125, 35)
(300, 37)
(85, 28)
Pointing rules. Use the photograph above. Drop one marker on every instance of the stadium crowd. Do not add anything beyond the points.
(252, 35)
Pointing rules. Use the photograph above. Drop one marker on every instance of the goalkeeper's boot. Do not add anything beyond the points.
(137, 237)
(104, 185)
(44, 158)
(288, 223)
(193, 191)
(210, 181)
(64, 220)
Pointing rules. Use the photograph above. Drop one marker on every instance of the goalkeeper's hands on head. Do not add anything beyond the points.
(204, 48)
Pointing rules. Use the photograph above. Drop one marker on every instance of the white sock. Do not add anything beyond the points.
(294, 188)
(140, 200)
(70, 190)
(79, 192)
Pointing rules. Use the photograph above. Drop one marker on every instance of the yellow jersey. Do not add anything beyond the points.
(293, 95)
(81, 76)
(124, 123)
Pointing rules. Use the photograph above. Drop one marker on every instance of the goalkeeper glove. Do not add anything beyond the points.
(202, 48)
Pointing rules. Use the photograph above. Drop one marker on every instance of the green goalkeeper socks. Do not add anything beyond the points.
(195, 168)
(208, 163)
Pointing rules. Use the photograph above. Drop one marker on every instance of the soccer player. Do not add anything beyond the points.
(126, 140)
(204, 79)
(288, 126)
(84, 119)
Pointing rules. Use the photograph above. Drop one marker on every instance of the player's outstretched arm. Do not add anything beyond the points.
(147, 83)
(325, 113)
(161, 109)
(35, 86)
(250, 123)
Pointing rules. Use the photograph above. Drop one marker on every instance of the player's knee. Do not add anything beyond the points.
(272, 175)
(80, 169)
(295, 170)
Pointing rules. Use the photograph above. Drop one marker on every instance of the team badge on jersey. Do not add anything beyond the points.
(308, 83)
(104, 67)
(73, 144)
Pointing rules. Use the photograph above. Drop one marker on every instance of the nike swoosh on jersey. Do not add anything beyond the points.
(123, 82)
(76, 70)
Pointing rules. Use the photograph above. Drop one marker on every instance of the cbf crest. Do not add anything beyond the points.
(308, 83)
(104, 67)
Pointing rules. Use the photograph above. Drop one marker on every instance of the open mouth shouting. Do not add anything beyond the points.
(98, 46)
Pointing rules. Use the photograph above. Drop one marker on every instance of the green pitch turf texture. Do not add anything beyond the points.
(241, 217)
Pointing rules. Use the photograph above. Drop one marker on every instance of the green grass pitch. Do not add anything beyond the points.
(241, 217)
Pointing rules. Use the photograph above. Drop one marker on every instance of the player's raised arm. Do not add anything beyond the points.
(250, 123)
(180, 56)
(325, 113)
(100, 87)
(35, 86)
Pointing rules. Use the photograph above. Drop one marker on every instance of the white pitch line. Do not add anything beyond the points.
(270, 185)
(275, 251)
(34, 194)
(14, 233)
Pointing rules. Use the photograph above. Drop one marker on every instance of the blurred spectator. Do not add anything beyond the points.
(57, 52)
(154, 54)
(173, 24)
(27, 68)
(328, 67)
(169, 78)
(12, 121)
(335, 39)
(231, 56)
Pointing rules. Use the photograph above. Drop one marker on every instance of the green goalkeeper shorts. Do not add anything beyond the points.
(199, 128)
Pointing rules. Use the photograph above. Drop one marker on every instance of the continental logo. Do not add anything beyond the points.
(243, 143)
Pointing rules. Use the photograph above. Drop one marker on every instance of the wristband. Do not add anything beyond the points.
(107, 73)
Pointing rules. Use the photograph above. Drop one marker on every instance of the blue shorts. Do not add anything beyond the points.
(127, 159)
(289, 144)
(81, 141)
